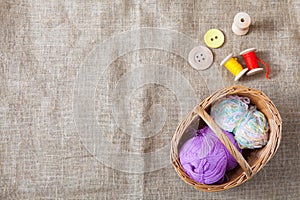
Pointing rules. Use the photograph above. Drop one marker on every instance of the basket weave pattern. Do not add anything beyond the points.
(252, 160)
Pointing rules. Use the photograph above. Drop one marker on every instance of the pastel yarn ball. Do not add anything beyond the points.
(252, 130)
(228, 111)
(205, 159)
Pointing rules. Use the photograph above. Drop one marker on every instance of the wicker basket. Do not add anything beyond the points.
(252, 160)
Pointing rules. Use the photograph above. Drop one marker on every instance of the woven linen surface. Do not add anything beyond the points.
(92, 91)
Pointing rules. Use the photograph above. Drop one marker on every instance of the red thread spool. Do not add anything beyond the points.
(252, 60)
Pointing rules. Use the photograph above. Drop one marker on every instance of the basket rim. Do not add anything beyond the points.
(275, 123)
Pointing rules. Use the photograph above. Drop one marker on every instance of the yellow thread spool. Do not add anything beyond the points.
(234, 66)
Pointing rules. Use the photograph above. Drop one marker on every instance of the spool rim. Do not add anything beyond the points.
(254, 71)
(239, 16)
(240, 74)
(247, 51)
(226, 59)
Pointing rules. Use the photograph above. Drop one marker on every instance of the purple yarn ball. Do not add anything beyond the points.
(205, 159)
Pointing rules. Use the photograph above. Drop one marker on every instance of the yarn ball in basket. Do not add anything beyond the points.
(252, 130)
(228, 111)
(205, 159)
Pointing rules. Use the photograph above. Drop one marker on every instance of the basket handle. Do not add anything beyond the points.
(225, 140)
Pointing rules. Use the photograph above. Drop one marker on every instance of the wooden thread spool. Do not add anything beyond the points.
(241, 23)
(252, 60)
(234, 66)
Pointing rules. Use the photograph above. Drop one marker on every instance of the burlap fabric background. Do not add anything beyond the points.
(68, 129)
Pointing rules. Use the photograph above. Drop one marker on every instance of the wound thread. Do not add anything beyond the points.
(252, 60)
(231, 63)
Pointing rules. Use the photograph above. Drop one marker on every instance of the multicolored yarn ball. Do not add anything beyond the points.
(236, 115)
(205, 159)
(228, 111)
(252, 130)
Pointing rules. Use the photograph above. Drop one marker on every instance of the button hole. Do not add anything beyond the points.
(216, 37)
(212, 39)
(242, 20)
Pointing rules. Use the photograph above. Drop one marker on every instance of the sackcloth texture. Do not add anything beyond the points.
(91, 93)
